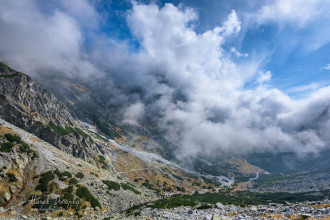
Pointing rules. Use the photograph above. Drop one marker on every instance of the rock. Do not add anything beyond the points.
(253, 208)
(12, 189)
(216, 217)
(208, 217)
(219, 205)
(7, 196)
(305, 216)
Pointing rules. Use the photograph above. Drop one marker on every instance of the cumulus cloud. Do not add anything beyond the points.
(185, 80)
(36, 41)
(133, 113)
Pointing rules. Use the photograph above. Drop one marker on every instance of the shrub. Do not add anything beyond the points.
(182, 189)
(80, 175)
(6, 147)
(44, 180)
(73, 181)
(178, 177)
(205, 206)
(101, 159)
(67, 174)
(69, 189)
(63, 176)
(111, 185)
(148, 185)
(83, 192)
(12, 178)
(128, 187)
(60, 130)
(13, 138)
(52, 186)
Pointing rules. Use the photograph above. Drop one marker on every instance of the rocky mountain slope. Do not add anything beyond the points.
(50, 175)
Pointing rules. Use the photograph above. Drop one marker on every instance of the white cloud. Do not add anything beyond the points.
(294, 16)
(311, 86)
(327, 67)
(184, 80)
(264, 77)
(293, 11)
(33, 41)
(214, 113)
(237, 53)
(133, 113)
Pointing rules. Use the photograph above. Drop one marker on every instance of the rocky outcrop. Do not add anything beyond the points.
(303, 210)
(25, 104)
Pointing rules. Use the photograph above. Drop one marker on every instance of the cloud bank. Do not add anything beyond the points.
(187, 82)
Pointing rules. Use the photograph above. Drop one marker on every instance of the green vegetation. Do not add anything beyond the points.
(7, 67)
(102, 160)
(13, 138)
(80, 175)
(94, 174)
(67, 130)
(69, 197)
(44, 182)
(12, 178)
(6, 147)
(111, 185)
(104, 127)
(237, 198)
(73, 181)
(147, 185)
(205, 206)
(84, 193)
(9, 75)
(53, 186)
(60, 130)
(100, 137)
(178, 177)
(80, 132)
(182, 189)
(128, 187)
(63, 176)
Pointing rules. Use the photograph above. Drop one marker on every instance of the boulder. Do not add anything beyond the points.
(219, 205)
(7, 196)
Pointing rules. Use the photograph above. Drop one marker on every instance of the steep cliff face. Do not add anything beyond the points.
(25, 104)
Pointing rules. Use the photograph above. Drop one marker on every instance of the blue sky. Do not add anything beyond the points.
(236, 76)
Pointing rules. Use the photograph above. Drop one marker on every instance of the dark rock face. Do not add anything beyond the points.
(25, 104)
